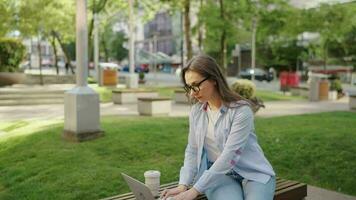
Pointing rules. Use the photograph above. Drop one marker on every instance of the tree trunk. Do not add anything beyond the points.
(39, 58)
(325, 54)
(200, 32)
(222, 39)
(53, 43)
(188, 41)
(90, 33)
(66, 53)
(106, 50)
(97, 8)
(30, 65)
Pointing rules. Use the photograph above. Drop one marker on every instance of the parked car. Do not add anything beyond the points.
(46, 62)
(260, 74)
(138, 69)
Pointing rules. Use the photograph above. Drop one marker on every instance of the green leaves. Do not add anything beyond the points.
(12, 52)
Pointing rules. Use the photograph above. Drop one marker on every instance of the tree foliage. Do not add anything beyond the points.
(220, 25)
(116, 11)
(12, 52)
(335, 24)
(6, 12)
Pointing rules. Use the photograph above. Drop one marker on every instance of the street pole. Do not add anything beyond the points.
(96, 49)
(182, 40)
(81, 44)
(132, 81)
(154, 59)
(253, 48)
(131, 38)
(81, 104)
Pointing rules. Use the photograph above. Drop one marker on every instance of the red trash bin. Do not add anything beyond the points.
(283, 79)
(293, 80)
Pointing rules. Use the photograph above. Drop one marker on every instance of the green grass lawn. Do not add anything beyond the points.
(165, 91)
(276, 96)
(35, 163)
(263, 94)
(105, 93)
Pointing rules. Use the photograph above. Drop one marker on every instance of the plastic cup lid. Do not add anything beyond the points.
(152, 173)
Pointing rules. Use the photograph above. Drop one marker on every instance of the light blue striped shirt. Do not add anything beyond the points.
(235, 137)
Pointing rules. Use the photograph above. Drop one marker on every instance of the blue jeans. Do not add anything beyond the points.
(235, 187)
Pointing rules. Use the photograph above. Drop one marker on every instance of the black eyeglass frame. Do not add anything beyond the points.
(195, 87)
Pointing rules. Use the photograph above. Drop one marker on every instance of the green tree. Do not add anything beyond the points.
(350, 41)
(276, 36)
(117, 50)
(222, 21)
(229, 22)
(47, 20)
(185, 8)
(114, 11)
(62, 30)
(31, 22)
(12, 53)
(333, 22)
(6, 12)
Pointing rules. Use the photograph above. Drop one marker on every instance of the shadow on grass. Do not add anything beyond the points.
(43, 166)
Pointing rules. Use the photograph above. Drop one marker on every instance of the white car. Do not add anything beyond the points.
(110, 65)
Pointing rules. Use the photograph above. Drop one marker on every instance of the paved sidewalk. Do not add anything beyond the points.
(316, 193)
(276, 108)
(281, 108)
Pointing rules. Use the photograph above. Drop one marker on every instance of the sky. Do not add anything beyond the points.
(314, 3)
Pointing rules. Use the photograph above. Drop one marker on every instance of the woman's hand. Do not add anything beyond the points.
(191, 194)
(173, 192)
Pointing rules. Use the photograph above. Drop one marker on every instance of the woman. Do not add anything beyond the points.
(222, 158)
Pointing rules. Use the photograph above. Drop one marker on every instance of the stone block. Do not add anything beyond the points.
(153, 106)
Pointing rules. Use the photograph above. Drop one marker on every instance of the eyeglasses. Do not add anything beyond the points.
(194, 87)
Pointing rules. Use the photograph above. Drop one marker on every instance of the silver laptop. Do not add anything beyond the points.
(140, 190)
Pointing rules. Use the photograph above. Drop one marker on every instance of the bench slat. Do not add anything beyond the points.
(285, 190)
(285, 184)
(296, 192)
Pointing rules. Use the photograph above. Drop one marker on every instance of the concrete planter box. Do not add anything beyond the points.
(130, 95)
(180, 96)
(10, 78)
(333, 95)
(153, 106)
(352, 101)
(34, 79)
(300, 91)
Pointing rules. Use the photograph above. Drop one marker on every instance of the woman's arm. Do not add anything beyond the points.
(189, 169)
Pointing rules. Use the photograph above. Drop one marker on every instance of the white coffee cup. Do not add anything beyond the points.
(152, 178)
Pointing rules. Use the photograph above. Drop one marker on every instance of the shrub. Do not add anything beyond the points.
(335, 85)
(91, 80)
(245, 88)
(12, 52)
(141, 75)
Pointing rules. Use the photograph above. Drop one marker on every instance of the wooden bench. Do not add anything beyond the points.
(285, 190)
(122, 96)
(153, 106)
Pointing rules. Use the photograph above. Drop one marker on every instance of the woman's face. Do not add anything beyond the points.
(205, 87)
